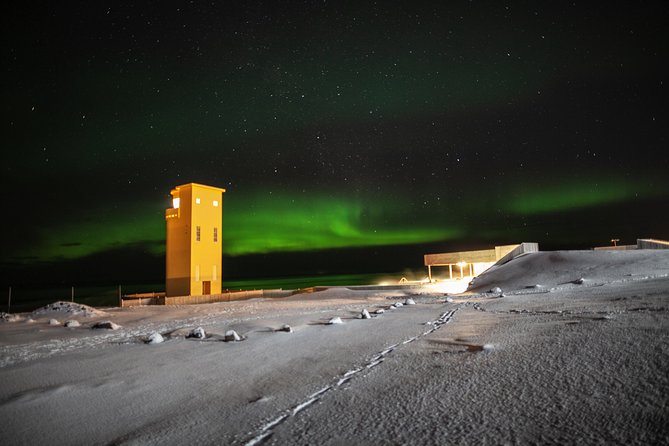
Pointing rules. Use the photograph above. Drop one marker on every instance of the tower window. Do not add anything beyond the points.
(197, 200)
(197, 233)
(215, 203)
(215, 235)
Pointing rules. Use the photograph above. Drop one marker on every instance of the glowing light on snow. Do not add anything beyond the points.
(452, 286)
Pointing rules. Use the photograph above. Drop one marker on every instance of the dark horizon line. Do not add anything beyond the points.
(149, 268)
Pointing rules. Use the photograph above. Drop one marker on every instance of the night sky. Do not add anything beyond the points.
(350, 136)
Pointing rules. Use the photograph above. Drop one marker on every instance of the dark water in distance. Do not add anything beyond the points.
(24, 299)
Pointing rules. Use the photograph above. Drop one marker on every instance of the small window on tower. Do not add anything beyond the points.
(197, 201)
(215, 235)
(215, 203)
(197, 233)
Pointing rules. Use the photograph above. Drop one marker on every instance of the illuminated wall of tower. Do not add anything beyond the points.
(194, 252)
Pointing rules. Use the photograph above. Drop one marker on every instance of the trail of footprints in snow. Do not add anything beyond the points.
(266, 430)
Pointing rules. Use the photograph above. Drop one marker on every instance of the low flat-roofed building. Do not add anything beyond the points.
(641, 243)
(473, 263)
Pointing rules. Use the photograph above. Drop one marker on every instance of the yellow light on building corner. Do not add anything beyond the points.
(462, 265)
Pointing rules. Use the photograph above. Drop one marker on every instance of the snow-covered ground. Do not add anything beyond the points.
(572, 348)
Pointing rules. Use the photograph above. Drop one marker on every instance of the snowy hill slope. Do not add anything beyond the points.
(559, 268)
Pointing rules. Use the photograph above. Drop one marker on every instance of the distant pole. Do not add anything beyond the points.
(72, 293)
(9, 300)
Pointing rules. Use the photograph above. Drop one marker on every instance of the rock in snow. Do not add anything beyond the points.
(69, 307)
(107, 325)
(335, 320)
(409, 301)
(365, 314)
(287, 328)
(54, 322)
(155, 338)
(8, 317)
(449, 299)
(380, 311)
(398, 304)
(232, 336)
(72, 323)
(496, 290)
(197, 333)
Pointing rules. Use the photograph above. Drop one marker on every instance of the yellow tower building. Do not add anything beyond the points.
(194, 252)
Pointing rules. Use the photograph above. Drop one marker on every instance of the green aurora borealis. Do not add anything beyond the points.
(262, 222)
(333, 128)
